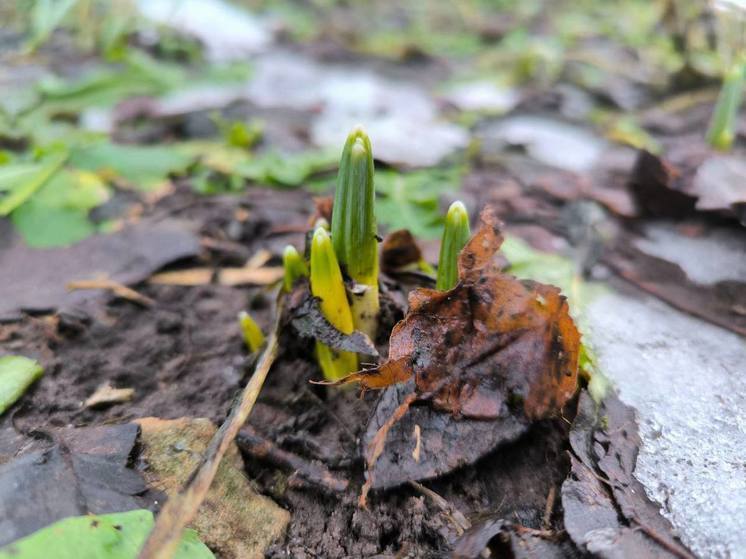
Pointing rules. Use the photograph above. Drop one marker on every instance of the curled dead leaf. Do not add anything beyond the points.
(494, 350)
(304, 314)
(399, 250)
(488, 344)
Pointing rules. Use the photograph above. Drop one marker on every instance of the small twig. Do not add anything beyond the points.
(456, 517)
(549, 508)
(264, 449)
(180, 509)
(663, 542)
(115, 287)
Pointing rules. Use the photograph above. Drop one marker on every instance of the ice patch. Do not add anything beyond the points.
(482, 96)
(719, 256)
(687, 381)
(401, 118)
(227, 32)
(550, 141)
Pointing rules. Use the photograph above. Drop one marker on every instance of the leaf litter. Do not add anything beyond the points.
(494, 350)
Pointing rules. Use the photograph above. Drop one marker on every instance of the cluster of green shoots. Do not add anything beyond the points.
(732, 44)
(343, 268)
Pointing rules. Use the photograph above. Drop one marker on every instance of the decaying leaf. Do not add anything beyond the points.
(84, 472)
(486, 359)
(606, 510)
(304, 314)
(399, 250)
(486, 345)
(234, 520)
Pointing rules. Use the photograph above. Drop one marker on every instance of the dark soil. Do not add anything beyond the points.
(184, 357)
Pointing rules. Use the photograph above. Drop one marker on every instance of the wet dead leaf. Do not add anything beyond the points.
(484, 360)
(488, 345)
(85, 471)
(399, 251)
(234, 520)
(606, 510)
(126, 257)
(305, 316)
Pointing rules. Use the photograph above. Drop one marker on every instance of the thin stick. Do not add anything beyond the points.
(180, 509)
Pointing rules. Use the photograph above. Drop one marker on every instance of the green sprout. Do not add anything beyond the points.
(732, 43)
(295, 268)
(252, 334)
(354, 232)
(327, 284)
(455, 235)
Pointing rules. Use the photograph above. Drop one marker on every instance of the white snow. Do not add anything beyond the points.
(687, 381)
(227, 32)
(718, 255)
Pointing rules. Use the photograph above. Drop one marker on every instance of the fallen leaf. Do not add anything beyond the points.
(485, 358)
(234, 519)
(111, 536)
(399, 250)
(17, 373)
(504, 341)
(107, 394)
(445, 443)
(144, 167)
(85, 471)
(304, 314)
(127, 257)
(611, 516)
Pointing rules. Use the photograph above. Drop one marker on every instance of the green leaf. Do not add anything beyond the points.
(412, 200)
(46, 16)
(14, 173)
(286, 169)
(17, 373)
(107, 536)
(57, 215)
(140, 74)
(144, 167)
(43, 227)
(21, 191)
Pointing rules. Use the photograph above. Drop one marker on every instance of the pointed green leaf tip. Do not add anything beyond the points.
(353, 217)
(295, 267)
(327, 284)
(253, 336)
(455, 235)
(722, 130)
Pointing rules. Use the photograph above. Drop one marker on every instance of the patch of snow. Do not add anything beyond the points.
(549, 141)
(401, 118)
(720, 181)
(482, 96)
(718, 256)
(686, 379)
(227, 32)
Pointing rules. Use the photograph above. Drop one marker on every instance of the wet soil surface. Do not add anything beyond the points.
(183, 356)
